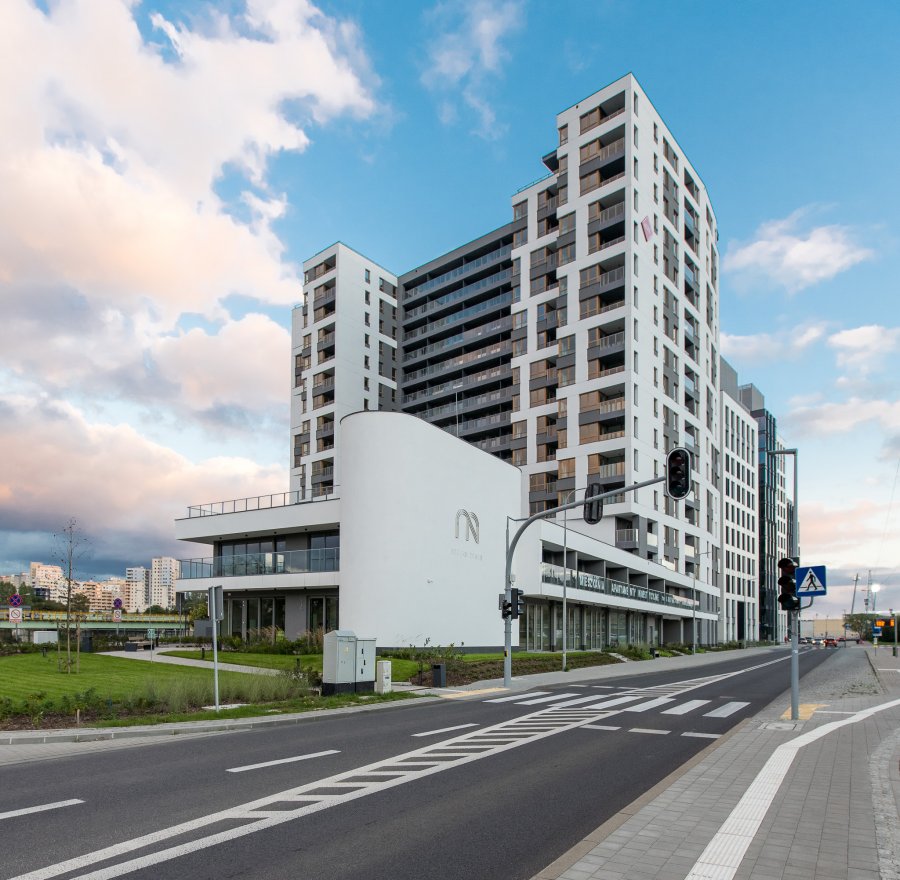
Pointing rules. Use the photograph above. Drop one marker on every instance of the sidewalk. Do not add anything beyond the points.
(774, 800)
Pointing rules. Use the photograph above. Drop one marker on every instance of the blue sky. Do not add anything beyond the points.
(169, 165)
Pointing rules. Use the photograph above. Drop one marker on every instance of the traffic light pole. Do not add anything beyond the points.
(511, 549)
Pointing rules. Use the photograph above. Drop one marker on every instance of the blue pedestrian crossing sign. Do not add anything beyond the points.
(811, 581)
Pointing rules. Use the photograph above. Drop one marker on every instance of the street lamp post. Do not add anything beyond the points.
(565, 621)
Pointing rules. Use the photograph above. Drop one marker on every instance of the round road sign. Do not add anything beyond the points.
(15, 615)
(117, 603)
(15, 600)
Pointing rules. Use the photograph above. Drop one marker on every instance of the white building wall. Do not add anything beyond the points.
(411, 568)
(163, 574)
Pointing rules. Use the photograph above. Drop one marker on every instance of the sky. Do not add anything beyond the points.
(165, 168)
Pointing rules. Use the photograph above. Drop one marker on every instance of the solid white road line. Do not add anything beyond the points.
(445, 729)
(725, 710)
(40, 809)
(282, 761)
(703, 735)
(647, 730)
(725, 852)
(549, 699)
(651, 704)
(516, 697)
(600, 727)
(684, 708)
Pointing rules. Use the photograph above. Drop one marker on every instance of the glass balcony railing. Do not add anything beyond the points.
(286, 562)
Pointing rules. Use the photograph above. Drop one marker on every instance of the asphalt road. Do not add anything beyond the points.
(503, 792)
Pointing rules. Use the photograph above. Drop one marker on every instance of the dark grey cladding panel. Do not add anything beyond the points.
(562, 179)
(566, 360)
(518, 442)
(561, 423)
(548, 323)
(518, 333)
(672, 551)
(541, 382)
(520, 224)
(565, 238)
(496, 237)
(595, 416)
(564, 484)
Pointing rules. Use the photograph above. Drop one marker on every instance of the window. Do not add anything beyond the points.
(590, 120)
(565, 376)
(520, 237)
(368, 340)
(563, 134)
(566, 254)
(368, 319)
(368, 277)
(520, 210)
(566, 223)
(368, 298)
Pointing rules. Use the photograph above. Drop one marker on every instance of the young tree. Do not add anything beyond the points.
(71, 546)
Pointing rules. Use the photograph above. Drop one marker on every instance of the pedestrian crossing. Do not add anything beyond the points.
(659, 699)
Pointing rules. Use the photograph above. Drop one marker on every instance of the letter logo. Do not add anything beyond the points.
(471, 527)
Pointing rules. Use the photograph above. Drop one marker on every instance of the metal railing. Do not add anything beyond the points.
(242, 505)
(244, 564)
(499, 254)
(626, 536)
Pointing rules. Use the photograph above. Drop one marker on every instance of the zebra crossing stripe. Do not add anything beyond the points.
(549, 699)
(684, 708)
(651, 704)
(725, 710)
(516, 697)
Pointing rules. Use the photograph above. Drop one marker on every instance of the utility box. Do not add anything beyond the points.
(383, 677)
(365, 665)
(339, 662)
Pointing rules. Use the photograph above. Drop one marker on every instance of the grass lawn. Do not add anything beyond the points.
(22, 675)
(401, 670)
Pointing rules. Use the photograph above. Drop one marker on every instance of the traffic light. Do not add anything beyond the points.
(593, 506)
(788, 599)
(506, 610)
(517, 606)
(678, 473)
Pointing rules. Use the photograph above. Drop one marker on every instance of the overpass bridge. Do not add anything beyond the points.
(97, 621)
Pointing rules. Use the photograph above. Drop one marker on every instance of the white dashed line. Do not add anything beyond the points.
(600, 727)
(25, 811)
(648, 730)
(703, 735)
(282, 761)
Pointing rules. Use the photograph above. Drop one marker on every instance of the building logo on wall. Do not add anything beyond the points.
(471, 524)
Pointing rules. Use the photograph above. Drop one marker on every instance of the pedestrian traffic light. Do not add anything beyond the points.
(593, 506)
(787, 598)
(517, 606)
(506, 610)
(678, 473)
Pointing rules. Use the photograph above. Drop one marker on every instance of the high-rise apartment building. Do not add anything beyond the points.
(739, 615)
(772, 508)
(137, 588)
(163, 574)
(345, 359)
(579, 343)
(47, 581)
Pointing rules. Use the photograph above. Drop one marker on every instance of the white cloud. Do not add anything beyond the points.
(838, 418)
(761, 347)
(793, 257)
(863, 349)
(125, 490)
(466, 52)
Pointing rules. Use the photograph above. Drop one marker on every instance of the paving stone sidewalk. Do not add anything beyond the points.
(834, 814)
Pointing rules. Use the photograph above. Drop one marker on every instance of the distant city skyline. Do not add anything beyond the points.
(163, 184)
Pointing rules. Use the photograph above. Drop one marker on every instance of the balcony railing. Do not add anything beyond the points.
(594, 583)
(242, 505)
(431, 284)
(626, 536)
(241, 565)
(439, 302)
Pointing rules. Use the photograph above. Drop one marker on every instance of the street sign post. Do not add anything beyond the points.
(811, 581)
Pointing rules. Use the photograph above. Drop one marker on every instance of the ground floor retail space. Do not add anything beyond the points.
(596, 627)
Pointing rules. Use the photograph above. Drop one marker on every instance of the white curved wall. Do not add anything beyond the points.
(407, 573)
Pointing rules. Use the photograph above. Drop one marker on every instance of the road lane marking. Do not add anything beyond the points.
(703, 735)
(652, 704)
(445, 729)
(684, 708)
(647, 730)
(725, 710)
(601, 727)
(282, 761)
(516, 697)
(725, 852)
(40, 808)
(604, 704)
(549, 699)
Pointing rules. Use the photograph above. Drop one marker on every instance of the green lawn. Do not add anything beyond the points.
(22, 675)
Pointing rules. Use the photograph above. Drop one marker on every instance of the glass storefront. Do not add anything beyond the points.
(245, 617)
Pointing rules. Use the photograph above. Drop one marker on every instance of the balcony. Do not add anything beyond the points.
(242, 565)
(627, 539)
(243, 505)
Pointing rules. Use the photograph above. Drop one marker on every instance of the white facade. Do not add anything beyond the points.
(163, 575)
(48, 578)
(137, 588)
(739, 611)
(344, 352)
(619, 295)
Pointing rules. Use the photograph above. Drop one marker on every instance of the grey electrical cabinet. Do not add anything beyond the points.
(339, 662)
(365, 665)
